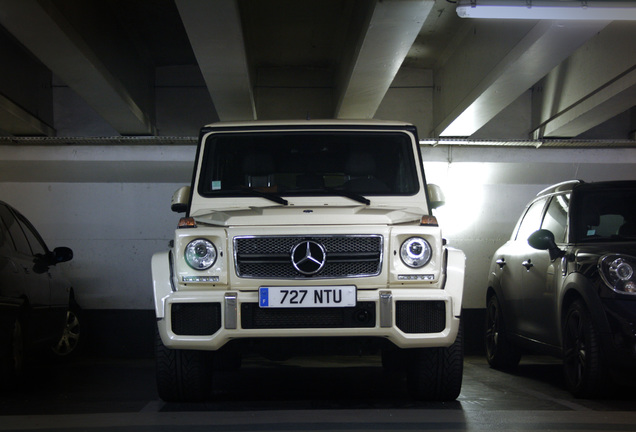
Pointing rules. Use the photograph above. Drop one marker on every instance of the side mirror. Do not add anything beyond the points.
(62, 254)
(544, 240)
(435, 196)
(42, 262)
(180, 200)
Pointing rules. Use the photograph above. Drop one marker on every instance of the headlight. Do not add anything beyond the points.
(618, 273)
(415, 252)
(200, 254)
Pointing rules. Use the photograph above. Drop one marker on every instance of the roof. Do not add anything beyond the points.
(310, 122)
(580, 184)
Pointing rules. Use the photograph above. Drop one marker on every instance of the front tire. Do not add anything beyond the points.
(582, 364)
(182, 375)
(500, 352)
(436, 374)
(12, 359)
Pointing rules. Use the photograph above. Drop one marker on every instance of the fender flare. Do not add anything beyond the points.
(579, 286)
(455, 270)
(161, 281)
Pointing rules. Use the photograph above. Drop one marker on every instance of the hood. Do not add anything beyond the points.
(292, 215)
(598, 249)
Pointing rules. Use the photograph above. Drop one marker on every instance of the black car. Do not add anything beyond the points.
(565, 284)
(37, 307)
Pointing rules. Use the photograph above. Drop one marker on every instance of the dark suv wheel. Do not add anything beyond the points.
(500, 352)
(582, 363)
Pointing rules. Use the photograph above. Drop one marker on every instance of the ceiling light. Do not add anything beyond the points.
(537, 9)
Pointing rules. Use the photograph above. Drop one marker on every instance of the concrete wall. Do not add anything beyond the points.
(114, 226)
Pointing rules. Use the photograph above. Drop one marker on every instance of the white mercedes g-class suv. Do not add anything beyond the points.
(304, 237)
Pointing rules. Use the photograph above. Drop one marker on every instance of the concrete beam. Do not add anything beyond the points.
(523, 61)
(58, 46)
(597, 83)
(215, 32)
(387, 37)
(14, 120)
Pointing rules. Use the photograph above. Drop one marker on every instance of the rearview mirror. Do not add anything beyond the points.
(180, 200)
(435, 196)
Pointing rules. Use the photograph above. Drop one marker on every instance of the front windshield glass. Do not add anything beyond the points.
(278, 164)
(608, 214)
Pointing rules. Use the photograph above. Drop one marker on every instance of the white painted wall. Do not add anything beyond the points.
(115, 219)
(487, 189)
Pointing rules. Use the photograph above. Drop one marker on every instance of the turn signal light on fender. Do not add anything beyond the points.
(429, 220)
(187, 222)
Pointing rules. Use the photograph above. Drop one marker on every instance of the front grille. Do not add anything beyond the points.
(269, 257)
(420, 316)
(196, 319)
(254, 317)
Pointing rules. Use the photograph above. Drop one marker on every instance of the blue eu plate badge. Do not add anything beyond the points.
(264, 297)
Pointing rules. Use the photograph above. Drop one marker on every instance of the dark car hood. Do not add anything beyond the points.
(598, 249)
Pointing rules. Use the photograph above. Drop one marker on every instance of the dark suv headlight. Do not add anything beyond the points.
(618, 273)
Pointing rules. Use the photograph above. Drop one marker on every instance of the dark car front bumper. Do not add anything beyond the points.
(620, 347)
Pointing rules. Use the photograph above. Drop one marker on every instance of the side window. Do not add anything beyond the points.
(556, 216)
(19, 240)
(531, 220)
(36, 243)
(5, 240)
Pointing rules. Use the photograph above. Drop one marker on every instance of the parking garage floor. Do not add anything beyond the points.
(326, 394)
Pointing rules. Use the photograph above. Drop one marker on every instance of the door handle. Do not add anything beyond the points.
(501, 262)
(527, 264)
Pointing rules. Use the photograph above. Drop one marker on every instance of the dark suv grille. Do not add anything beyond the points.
(345, 256)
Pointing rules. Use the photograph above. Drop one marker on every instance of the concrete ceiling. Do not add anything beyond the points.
(77, 68)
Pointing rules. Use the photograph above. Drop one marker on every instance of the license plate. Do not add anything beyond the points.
(299, 297)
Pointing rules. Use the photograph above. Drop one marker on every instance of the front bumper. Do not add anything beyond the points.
(620, 345)
(408, 316)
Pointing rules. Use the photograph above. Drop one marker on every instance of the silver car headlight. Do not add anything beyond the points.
(200, 254)
(617, 272)
(416, 252)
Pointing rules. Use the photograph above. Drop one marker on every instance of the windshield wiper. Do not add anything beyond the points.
(267, 195)
(348, 194)
(338, 192)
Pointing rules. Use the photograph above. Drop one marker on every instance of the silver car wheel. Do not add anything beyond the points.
(70, 336)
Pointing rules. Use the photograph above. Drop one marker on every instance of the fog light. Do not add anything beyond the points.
(630, 287)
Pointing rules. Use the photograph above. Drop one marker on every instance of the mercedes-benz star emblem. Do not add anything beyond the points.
(308, 257)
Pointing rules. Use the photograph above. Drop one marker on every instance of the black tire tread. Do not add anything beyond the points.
(595, 378)
(505, 355)
(182, 375)
(436, 374)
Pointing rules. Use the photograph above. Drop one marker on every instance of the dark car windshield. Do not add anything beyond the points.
(607, 214)
(276, 164)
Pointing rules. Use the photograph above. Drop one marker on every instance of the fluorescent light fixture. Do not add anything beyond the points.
(557, 9)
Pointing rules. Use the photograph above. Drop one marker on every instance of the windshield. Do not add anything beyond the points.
(271, 165)
(608, 214)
